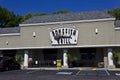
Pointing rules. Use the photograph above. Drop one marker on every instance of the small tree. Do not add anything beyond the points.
(116, 57)
(19, 58)
(61, 12)
(115, 13)
(71, 59)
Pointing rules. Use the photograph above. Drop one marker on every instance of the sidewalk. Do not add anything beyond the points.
(76, 68)
(115, 69)
(50, 68)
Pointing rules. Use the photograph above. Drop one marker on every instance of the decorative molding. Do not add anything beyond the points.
(117, 28)
(72, 46)
(11, 34)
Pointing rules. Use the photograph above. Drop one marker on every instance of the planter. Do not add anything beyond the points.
(100, 64)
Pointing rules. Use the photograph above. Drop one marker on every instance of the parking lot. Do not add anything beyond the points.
(59, 75)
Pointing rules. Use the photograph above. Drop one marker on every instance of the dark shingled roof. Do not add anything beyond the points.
(9, 30)
(117, 23)
(69, 17)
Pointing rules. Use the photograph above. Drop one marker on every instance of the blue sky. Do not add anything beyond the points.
(22, 7)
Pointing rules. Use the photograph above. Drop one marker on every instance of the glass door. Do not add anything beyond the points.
(88, 57)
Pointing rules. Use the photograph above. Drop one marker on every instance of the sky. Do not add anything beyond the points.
(22, 7)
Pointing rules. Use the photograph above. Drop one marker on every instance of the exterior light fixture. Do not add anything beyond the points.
(34, 34)
(96, 30)
(7, 42)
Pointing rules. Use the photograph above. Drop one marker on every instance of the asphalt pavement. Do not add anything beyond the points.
(59, 75)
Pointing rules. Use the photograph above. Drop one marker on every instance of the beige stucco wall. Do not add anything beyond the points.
(107, 35)
(13, 42)
(86, 36)
(117, 36)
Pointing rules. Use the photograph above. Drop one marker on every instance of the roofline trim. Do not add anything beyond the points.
(92, 20)
(117, 28)
(10, 34)
(49, 47)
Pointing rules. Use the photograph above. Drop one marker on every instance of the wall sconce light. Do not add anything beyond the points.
(96, 30)
(7, 42)
(34, 34)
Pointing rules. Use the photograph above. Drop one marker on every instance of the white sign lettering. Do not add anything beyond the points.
(64, 36)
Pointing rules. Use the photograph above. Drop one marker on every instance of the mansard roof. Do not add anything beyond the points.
(69, 17)
(9, 30)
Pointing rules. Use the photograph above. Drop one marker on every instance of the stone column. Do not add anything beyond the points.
(110, 58)
(105, 58)
(65, 58)
(26, 59)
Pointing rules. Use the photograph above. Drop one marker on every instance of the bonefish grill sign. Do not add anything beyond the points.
(64, 36)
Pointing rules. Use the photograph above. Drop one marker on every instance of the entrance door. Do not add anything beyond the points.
(50, 55)
(88, 57)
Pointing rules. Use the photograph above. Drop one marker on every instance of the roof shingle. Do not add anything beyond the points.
(69, 17)
(9, 30)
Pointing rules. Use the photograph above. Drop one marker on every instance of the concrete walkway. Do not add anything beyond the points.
(115, 69)
(76, 68)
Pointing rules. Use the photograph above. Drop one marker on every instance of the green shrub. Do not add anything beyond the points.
(19, 58)
(116, 57)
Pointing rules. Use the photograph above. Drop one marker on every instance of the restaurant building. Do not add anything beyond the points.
(83, 39)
